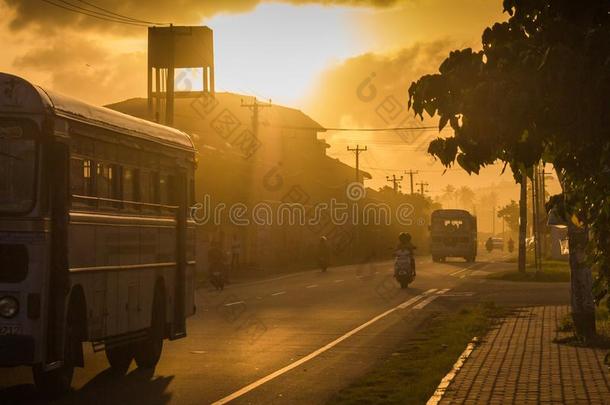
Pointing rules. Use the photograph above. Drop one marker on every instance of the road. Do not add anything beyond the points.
(294, 339)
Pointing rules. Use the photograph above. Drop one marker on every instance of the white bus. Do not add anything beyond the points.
(95, 242)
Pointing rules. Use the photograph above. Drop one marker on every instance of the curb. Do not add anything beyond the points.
(446, 381)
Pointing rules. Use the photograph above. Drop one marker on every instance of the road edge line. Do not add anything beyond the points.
(316, 353)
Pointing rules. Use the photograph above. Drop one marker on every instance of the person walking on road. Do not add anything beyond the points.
(216, 266)
(235, 254)
(323, 253)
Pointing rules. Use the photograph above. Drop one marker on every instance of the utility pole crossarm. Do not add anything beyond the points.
(357, 150)
(254, 106)
(395, 182)
(421, 185)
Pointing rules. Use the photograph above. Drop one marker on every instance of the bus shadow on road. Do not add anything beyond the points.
(138, 387)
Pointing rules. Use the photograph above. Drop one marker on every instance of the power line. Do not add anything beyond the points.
(121, 15)
(362, 129)
(93, 14)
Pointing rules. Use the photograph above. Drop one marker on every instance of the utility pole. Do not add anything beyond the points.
(536, 217)
(411, 173)
(522, 220)
(421, 187)
(395, 182)
(357, 150)
(254, 106)
(543, 174)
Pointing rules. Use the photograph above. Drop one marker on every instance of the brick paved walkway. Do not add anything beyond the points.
(518, 363)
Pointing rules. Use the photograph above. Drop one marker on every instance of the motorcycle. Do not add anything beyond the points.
(404, 271)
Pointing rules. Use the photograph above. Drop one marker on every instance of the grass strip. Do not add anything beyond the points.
(552, 272)
(411, 374)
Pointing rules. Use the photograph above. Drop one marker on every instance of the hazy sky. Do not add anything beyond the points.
(324, 57)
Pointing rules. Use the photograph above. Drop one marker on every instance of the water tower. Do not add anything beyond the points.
(171, 48)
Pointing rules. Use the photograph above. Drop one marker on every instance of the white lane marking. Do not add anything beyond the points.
(415, 299)
(278, 293)
(458, 272)
(338, 281)
(312, 355)
(431, 298)
(442, 387)
(312, 286)
(234, 303)
(460, 294)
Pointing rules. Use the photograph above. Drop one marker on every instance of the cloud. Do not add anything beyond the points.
(71, 64)
(53, 17)
(362, 90)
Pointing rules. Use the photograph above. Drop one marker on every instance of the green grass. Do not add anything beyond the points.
(553, 271)
(412, 373)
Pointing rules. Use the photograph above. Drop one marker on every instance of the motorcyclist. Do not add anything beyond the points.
(489, 244)
(405, 252)
(323, 253)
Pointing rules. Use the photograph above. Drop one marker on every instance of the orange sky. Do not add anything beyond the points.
(313, 55)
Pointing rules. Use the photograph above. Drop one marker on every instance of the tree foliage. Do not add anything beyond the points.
(538, 90)
(510, 214)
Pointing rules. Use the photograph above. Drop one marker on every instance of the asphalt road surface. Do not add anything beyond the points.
(295, 339)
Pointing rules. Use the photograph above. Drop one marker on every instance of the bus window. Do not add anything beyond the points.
(81, 180)
(17, 165)
(154, 184)
(108, 182)
(164, 189)
(130, 186)
(144, 187)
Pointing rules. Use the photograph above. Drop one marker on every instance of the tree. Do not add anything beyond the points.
(448, 194)
(538, 90)
(466, 197)
(510, 214)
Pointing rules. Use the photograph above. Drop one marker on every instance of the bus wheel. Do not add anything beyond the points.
(148, 352)
(57, 382)
(120, 358)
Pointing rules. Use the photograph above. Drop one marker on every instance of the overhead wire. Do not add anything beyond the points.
(121, 15)
(91, 13)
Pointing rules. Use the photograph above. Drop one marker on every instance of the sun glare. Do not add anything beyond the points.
(277, 50)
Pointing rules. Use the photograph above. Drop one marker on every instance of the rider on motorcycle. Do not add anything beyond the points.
(404, 253)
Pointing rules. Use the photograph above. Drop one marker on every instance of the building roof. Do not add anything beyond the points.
(20, 96)
(205, 108)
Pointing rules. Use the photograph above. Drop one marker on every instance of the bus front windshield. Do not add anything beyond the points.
(17, 169)
(453, 225)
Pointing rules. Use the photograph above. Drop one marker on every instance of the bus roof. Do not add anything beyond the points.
(451, 213)
(19, 96)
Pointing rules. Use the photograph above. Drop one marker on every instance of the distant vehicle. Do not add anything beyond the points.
(497, 243)
(95, 241)
(453, 233)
